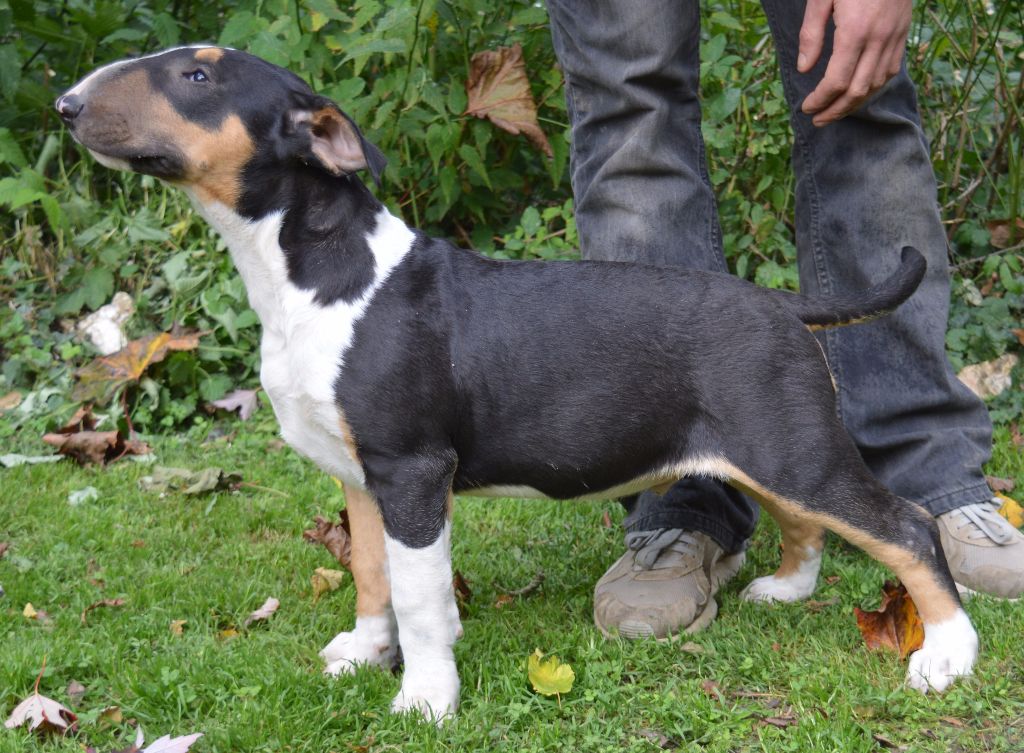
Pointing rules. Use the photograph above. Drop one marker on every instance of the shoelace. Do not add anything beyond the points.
(986, 520)
(649, 545)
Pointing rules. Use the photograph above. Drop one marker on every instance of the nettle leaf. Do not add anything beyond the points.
(10, 152)
(98, 287)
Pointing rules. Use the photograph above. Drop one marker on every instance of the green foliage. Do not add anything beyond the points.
(74, 233)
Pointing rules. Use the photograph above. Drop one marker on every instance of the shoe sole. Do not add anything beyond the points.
(701, 621)
(966, 592)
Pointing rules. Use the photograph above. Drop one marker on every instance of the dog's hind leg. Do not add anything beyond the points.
(374, 641)
(846, 498)
(797, 576)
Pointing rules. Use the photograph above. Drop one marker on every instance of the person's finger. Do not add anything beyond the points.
(846, 54)
(862, 85)
(812, 33)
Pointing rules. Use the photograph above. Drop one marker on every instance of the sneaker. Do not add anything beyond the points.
(664, 584)
(984, 551)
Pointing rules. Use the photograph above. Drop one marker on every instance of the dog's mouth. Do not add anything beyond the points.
(167, 166)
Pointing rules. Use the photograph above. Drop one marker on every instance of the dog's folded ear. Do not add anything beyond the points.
(336, 143)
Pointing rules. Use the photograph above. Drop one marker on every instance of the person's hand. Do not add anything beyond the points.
(867, 49)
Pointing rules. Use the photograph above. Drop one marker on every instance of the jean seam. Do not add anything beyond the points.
(941, 503)
(803, 146)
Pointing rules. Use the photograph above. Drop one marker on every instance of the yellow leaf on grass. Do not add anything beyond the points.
(178, 627)
(325, 580)
(549, 676)
(29, 611)
(1011, 510)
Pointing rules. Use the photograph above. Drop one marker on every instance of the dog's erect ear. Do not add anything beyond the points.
(337, 144)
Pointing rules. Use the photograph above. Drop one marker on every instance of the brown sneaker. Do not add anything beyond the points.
(985, 553)
(664, 584)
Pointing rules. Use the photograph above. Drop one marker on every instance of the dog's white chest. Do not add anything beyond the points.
(299, 370)
(304, 343)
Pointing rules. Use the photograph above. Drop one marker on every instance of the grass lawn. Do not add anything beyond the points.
(211, 560)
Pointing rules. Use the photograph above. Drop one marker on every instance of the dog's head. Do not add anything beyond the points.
(204, 117)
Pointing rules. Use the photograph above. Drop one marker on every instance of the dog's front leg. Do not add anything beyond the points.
(416, 507)
(374, 641)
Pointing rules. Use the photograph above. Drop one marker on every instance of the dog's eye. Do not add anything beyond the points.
(197, 76)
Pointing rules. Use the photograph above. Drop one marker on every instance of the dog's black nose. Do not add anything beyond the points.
(68, 106)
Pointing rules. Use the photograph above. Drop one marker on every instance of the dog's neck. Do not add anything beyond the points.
(327, 243)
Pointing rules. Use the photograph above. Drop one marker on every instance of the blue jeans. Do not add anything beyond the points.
(864, 188)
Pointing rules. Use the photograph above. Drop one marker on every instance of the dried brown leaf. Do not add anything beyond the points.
(10, 401)
(99, 447)
(178, 626)
(101, 603)
(895, 625)
(463, 593)
(998, 484)
(4, 546)
(1003, 233)
(499, 90)
(98, 380)
(990, 378)
(337, 537)
(75, 691)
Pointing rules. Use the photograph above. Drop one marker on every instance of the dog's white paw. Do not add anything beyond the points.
(772, 589)
(373, 642)
(436, 698)
(949, 651)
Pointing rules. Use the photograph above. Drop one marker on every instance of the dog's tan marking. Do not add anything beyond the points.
(799, 540)
(209, 54)
(213, 158)
(933, 601)
(369, 561)
(348, 437)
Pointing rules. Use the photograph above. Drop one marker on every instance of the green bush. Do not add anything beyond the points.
(74, 233)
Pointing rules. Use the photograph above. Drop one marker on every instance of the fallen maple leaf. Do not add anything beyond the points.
(165, 744)
(100, 447)
(29, 612)
(337, 537)
(498, 90)
(101, 603)
(98, 380)
(244, 401)
(549, 676)
(263, 613)
(43, 714)
(895, 625)
(1011, 510)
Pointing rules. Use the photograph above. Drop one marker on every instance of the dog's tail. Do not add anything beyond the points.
(864, 305)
